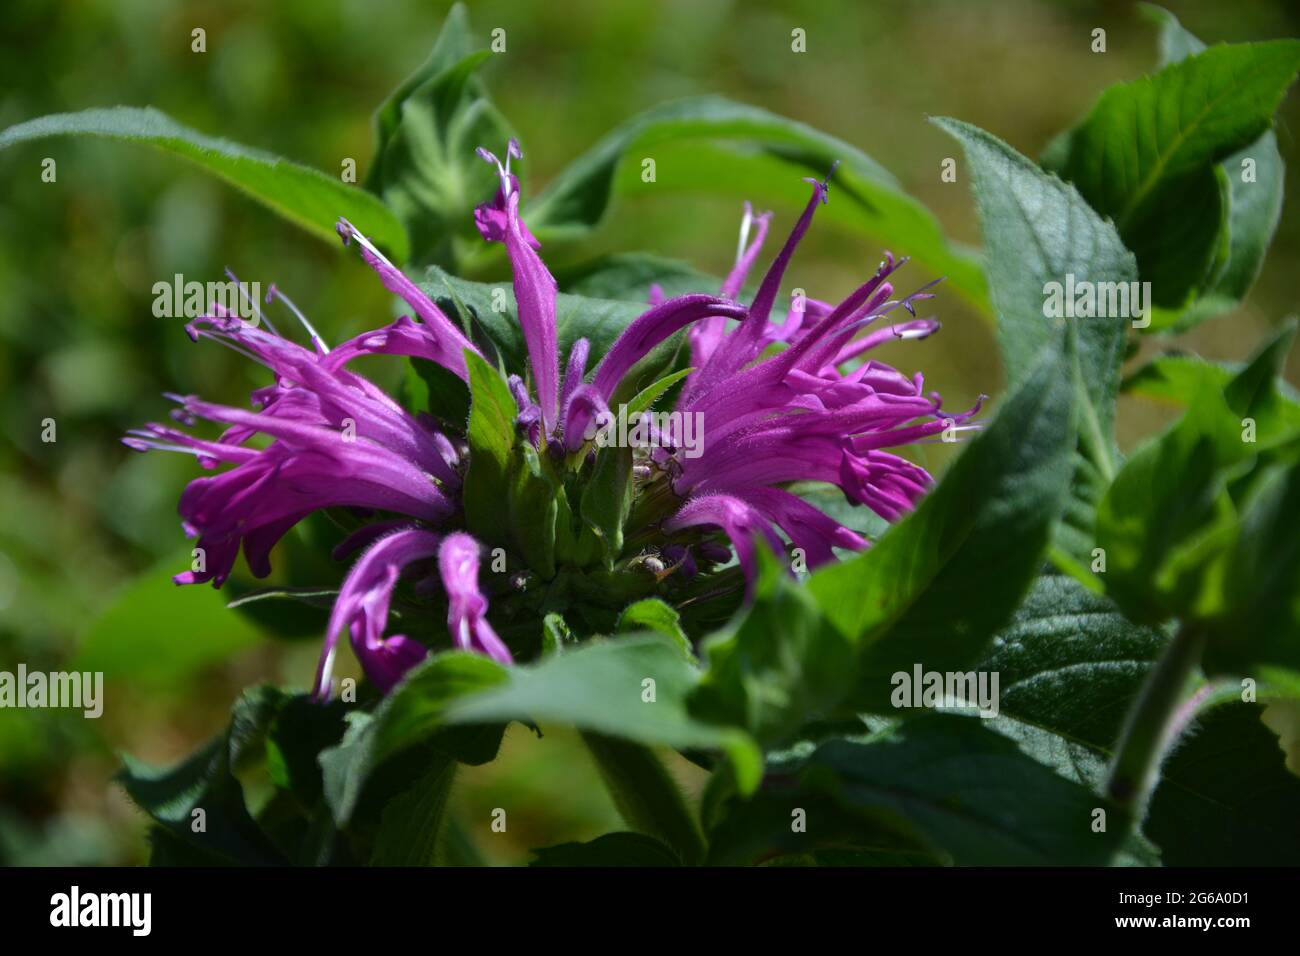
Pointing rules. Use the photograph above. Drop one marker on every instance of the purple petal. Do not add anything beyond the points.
(458, 561)
(739, 520)
(452, 341)
(362, 608)
(535, 293)
(652, 327)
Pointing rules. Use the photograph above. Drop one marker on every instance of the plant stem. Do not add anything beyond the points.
(1151, 724)
(645, 794)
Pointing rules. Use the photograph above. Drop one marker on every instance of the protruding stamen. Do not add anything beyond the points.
(746, 222)
(348, 232)
(274, 293)
(503, 170)
(250, 301)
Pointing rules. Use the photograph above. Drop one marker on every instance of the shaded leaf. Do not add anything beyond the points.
(1069, 663)
(646, 795)
(306, 197)
(779, 666)
(425, 166)
(1253, 206)
(205, 782)
(939, 583)
(632, 275)
(410, 716)
(1039, 231)
(710, 143)
(612, 849)
(939, 785)
(1225, 797)
(1147, 155)
(600, 686)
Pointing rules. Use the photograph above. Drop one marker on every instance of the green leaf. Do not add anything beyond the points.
(1070, 664)
(136, 638)
(535, 510)
(1254, 205)
(601, 686)
(206, 782)
(1147, 155)
(780, 666)
(612, 849)
(1168, 517)
(428, 387)
(607, 499)
(1039, 231)
(1225, 797)
(653, 614)
(632, 275)
(939, 583)
(646, 795)
(306, 197)
(645, 399)
(301, 729)
(1257, 632)
(710, 143)
(1070, 668)
(410, 716)
(556, 634)
(425, 165)
(508, 500)
(607, 495)
(1176, 379)
(494, 461)
(411, 823)
(1169, 496)
(939, 785)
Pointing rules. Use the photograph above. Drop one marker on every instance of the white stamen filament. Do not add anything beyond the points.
(230, 344)
(159, 445)
(746, 222)
(368, 245)
(315, 336)
(252, 302)
(326, 686)
(503, 171)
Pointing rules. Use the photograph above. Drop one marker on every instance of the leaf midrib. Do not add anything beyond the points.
(1162, 161)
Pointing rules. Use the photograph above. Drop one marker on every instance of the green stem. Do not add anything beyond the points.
(645, 794)
(1151, 723)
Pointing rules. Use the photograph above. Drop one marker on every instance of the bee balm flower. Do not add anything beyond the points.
(776, 403)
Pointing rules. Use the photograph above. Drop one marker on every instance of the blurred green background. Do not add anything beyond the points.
(88, 530)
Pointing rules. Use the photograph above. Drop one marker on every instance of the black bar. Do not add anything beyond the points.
(333, 906)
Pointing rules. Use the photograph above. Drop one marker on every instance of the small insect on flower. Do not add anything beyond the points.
(598, 523)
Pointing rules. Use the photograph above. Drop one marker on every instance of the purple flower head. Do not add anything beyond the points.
(769, 404)
(337, 441)
(797, 415)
